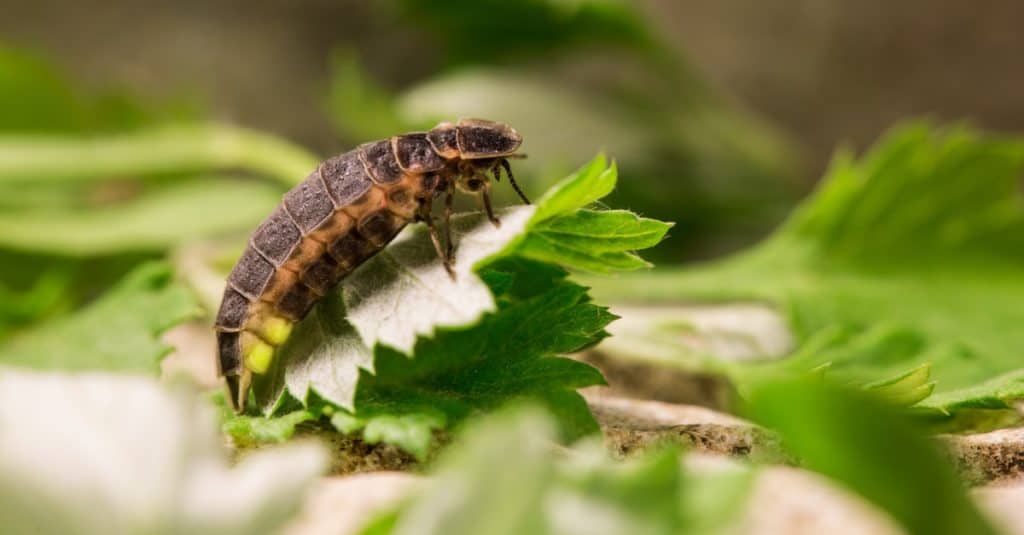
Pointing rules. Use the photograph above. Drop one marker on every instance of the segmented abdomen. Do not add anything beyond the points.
(341, 215)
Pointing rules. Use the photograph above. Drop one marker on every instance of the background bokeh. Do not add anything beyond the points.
(721, 115)
(823, 71)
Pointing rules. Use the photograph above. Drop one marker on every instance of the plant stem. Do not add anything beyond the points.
(162, 150)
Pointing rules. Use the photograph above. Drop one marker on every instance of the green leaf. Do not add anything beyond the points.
(119, 332)
(399, 295)
(155, 221)
(249, 430)
(878, 453)
(911, 256)
(532, 490)
(405, 351)
(593, 181)
(563, 233)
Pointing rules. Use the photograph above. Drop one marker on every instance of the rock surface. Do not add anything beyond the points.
(988, 457)
(631, 425)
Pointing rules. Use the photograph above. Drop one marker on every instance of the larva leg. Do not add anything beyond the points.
(485, 196)
(447, 220)
(424, 215)
(238, 390)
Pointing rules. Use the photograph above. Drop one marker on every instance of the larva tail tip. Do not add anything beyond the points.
(232, 383)
(238, 390)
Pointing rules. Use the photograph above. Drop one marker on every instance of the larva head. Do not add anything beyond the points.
(475, 139)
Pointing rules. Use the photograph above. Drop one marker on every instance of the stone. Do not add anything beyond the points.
(988, 457)
(631, 426)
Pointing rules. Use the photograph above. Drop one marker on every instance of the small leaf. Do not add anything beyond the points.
(249, 430)
(593, 181)
(907, 389)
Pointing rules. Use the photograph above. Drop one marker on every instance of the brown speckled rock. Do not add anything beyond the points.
(644, 380)
(347, 454)
(631, 425)
(986, 457)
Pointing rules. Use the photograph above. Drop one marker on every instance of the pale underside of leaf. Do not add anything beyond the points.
(399, 295)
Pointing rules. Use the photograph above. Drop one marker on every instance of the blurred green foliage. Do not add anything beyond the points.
(36, 98)
(495, 31)
(532, 490)
(859, 443)
(575, 77)
(907, 258)
(95, 182)
(118, 332)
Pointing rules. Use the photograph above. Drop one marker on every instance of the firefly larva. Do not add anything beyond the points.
(346, 211)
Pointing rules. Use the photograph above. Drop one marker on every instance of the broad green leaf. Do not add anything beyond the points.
(911, 256)
(404, 350)
(505, 356)
(95, 453)
(876, 452)
(155, 221)
(530, 489)
(118, 332)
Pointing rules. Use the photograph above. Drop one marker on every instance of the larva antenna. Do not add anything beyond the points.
(508, 171)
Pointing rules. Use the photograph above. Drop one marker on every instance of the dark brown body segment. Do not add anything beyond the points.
(342, 214)
(325, 227)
